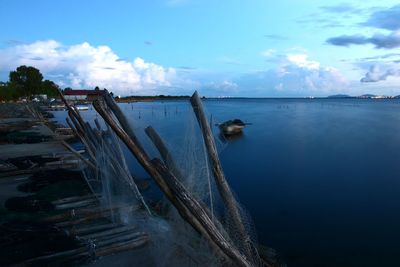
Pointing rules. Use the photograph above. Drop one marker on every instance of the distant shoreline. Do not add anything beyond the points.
(166, 98)
(132, 99)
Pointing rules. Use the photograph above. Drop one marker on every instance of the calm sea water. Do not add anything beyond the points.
(320, 177)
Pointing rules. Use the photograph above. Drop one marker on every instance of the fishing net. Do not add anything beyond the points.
(174, 241)
(111, 181)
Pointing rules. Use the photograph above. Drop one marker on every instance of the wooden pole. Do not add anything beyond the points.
(106, 247)
(170, 163)
(197, 210)
(121, 118)
(222, 184)
(76, 153)
(83, 140)
(73, 111)
(164, 152)
(109, 232)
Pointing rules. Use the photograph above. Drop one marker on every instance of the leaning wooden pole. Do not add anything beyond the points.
(222, 184)
(74, 112)
(188, 208)
(120, 117)
(77, 154)
(164, 152)
(172, 166)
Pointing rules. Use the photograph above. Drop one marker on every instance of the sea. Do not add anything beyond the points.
(319, 177)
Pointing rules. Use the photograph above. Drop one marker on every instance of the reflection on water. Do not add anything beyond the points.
(320, 177)
(229, 138)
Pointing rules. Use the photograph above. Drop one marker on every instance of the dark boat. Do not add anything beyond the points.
(232, 127)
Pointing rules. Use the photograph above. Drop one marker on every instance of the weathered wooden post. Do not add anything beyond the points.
(222, 184)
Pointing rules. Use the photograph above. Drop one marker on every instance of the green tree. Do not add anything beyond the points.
(49, 88)
(26, 81)
(6, 92)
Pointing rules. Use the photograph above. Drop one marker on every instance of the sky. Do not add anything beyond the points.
(253, 48)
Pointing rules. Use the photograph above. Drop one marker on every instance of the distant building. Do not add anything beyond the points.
(89, 95)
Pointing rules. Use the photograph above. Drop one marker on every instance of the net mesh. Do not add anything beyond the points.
(174, 241)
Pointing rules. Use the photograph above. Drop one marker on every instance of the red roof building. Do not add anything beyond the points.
(81, 94)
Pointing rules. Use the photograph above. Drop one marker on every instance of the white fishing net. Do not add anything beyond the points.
(174, 242)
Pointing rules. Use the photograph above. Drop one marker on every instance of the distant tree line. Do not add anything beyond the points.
(25, 82)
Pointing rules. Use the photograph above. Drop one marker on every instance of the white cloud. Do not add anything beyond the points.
(295, 75)
(298, 74)
(87, 66)
(301, 60)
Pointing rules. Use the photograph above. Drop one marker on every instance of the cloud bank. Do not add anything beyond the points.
(378, 73)
(389, 41)
(87, 66)
(384, 66)
(385, 19)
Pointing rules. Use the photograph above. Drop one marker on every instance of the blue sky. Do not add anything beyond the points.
(221, 48)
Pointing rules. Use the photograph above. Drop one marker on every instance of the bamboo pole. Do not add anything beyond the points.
(222, 184)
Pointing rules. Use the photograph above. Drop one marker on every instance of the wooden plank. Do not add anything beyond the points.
(77, 204)
(73, 199)
(116, 230)
(88, 229)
